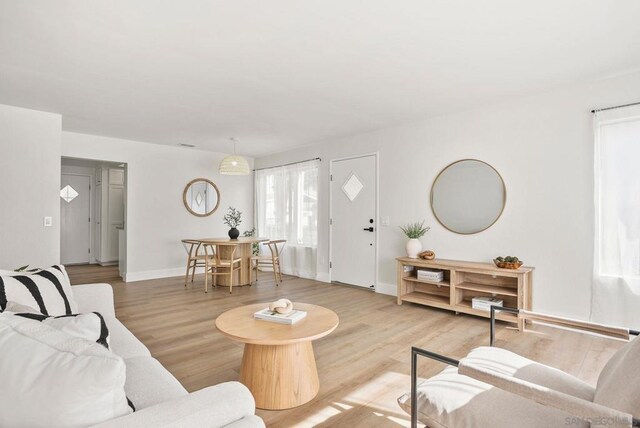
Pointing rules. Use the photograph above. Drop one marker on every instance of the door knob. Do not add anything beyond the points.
(370, 229)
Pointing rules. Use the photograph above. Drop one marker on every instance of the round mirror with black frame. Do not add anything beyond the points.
(201, 197)
(468, 196)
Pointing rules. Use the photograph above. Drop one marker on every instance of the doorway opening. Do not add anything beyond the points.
(93, 211)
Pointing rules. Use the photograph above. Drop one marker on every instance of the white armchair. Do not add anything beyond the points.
(496, 388)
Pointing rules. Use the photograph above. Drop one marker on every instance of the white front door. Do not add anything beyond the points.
(75, 234)
(353, 221)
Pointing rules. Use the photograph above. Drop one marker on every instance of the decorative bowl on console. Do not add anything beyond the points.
(508, 262)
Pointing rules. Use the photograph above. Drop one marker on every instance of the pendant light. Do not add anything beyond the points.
(234, 164)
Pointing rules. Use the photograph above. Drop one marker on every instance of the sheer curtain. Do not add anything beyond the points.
(616, 285)
(286, 207)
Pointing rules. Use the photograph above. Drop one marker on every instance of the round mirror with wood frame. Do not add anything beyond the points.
(201, 197)
(468, 196)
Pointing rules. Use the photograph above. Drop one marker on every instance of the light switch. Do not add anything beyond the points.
(48, 221)
(384, 221)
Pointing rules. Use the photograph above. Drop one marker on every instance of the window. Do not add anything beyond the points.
(618, 195)
(287, 208)
(615, 295)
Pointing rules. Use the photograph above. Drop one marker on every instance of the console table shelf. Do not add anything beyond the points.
(462, 282)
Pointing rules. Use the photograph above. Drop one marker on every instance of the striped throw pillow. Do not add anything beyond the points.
(50, 378)
(90, 326)
(47, 290)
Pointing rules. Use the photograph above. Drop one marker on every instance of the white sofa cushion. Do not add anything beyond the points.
(148, 383)
(65, 381)
(452, 400)
(123, 342)
(47, 290)
(228, 404)
(617, 387)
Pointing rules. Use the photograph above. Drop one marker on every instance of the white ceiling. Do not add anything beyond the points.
(284, 73)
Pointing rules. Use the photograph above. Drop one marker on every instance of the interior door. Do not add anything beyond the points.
(75, 199)
(353, 221)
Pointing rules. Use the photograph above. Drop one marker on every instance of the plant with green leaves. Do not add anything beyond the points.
(255, 247)
(232, 218)
(415, 230)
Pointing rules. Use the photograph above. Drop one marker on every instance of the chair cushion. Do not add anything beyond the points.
(502, 361)
(616, 386)
(451, 400)
(148, 383)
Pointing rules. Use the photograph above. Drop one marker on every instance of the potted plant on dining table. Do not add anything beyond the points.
(233, 218)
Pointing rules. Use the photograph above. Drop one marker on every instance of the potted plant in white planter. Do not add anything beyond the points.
(233, 218)
(414, 232)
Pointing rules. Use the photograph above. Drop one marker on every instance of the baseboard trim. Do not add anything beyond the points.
(153, 274)
(388, 289)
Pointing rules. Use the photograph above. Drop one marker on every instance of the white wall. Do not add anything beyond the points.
(156, 217)
(542, 146)
(29, 190)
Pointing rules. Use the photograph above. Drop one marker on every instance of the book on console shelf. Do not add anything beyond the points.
(485, 303)
(291, 318)
(430, 275)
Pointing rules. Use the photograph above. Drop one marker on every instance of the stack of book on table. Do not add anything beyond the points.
(430, 275)
(291, 318)
(485, 303)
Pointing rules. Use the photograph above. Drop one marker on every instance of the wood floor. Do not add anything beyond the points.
(363, 366)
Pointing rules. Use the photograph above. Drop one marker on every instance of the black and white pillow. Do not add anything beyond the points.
(52, 378)
(90, 326)
(47, 290)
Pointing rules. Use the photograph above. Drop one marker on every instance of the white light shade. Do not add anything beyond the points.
(234, 165)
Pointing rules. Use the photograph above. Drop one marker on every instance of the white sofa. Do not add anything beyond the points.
(160, 400)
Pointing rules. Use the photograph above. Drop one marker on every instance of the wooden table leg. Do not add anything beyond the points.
(242, 276)
(280, 376)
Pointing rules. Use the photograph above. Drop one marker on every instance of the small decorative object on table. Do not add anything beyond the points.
(427, 255)
(280, 311)
(233, 218)
(509, 262)
(282, 306)
(414, 232)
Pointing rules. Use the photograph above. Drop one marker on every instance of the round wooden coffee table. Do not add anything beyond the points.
(278, 365)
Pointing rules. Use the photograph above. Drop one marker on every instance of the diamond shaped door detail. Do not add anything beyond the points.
(68, 193)
(352, 187)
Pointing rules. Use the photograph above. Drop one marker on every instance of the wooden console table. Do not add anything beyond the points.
(463, 281)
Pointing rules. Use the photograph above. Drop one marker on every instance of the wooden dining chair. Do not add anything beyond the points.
(195, 258)
(275, 248)
(220, 260)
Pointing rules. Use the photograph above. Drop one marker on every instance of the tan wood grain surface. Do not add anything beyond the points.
(239, 324)
(364, 365)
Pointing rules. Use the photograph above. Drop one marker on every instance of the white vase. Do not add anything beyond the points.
(413, 247)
